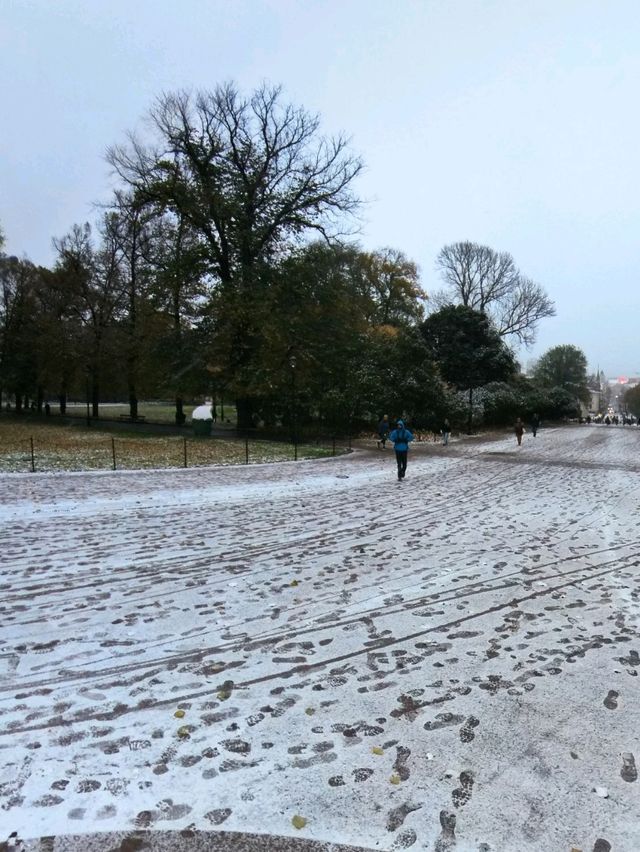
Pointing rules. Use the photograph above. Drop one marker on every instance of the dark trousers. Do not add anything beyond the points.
(401, 459)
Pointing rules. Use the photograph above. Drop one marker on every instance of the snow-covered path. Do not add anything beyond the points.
(447, 663)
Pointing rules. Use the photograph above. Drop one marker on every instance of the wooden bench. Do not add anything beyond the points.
(129, 419)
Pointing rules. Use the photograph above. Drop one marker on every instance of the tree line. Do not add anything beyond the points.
(225, 264)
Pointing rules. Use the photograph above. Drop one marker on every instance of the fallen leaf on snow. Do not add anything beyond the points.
(179, 714)
(225, 690)
(377, 750)
(395, 779)
(298, 821)
(310, 711)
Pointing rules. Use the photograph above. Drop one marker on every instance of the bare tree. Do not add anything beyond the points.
(490, 282)
(248, 175)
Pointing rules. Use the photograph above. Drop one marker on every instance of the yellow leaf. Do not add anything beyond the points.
(223, 695)
(395, 779)
(298, 821)
(294, 583)
(310, 711)
(377, 750)
(179, 714)
(183, 731)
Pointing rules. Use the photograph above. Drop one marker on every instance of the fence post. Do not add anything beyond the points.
(185, 451)
(33, 458)
(113, 452)
(246, 448)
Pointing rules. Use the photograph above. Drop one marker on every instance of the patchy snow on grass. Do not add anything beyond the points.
(77, 448)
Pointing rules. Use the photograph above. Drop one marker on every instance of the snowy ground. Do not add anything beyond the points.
(447, 663)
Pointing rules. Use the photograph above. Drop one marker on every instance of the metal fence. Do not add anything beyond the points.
(97, 451)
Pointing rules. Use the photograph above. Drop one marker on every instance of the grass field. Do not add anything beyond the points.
(159, 412)
(79, 448)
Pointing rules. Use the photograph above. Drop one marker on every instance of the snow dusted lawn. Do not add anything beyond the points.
(79, 448)
(448, 663)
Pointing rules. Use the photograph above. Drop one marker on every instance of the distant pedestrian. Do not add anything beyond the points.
(446, 431)
(535, 423)
(47, 409)
(401, 437)
(519, 430)
(384, 427)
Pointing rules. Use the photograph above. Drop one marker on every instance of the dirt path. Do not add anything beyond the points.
(447, 663)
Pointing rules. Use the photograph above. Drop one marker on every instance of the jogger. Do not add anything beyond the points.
(401, 438)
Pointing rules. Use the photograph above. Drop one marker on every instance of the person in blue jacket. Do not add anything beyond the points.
(400, 437)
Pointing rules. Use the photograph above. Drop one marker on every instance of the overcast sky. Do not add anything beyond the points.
(513, 123)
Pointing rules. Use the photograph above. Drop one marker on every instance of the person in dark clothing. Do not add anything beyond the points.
(384, 427)
(446, 431)
(519, 430)
(535, 423)
(401, 437)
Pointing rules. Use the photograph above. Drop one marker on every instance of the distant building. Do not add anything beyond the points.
(594, 403)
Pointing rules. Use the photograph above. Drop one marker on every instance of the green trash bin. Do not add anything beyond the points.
(202, 427)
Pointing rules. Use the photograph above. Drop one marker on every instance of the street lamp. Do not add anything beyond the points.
(292, 364)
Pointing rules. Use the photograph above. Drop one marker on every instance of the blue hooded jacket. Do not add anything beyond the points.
(401, 437)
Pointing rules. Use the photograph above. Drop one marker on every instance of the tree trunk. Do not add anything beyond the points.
(95, 398)
(62, 399)
(180, 415)
(18, 403)
(245, 410)
(40, 399)
(133, 401)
